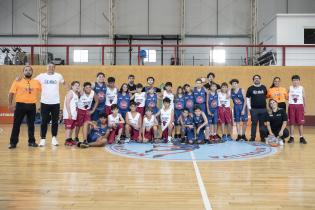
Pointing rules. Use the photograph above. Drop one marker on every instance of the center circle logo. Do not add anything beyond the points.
(183, 152)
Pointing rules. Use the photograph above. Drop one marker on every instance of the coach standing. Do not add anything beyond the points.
(256, 102)
(50, 102)
(25, 92)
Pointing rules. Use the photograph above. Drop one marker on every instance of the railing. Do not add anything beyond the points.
(167, 54)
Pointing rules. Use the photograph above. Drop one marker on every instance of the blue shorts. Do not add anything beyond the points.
(93, 136)
(98, 111)
(189, 133)
(213, 119)
(177, 115)
(238, 117)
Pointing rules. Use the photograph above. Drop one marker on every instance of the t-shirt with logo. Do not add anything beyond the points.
(276, 119)
(257, 95)
(50, 87)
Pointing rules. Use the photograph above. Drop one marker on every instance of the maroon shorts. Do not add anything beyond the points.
(69, 124)
(225, 115)
(296, 114)
(108, 110)
(113, 133)
(82, 117)
(134, 133)
(149, 134)
(140, 110)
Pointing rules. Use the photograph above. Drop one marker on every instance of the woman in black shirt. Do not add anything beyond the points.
(276, 121)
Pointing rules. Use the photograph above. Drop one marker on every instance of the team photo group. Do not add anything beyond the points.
(99, 113)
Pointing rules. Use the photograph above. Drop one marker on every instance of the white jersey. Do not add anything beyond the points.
(149, 123)
(85, 101)
(170, 96)
(111, 96)
(133, 120)
(50, 87)
(166, 117)
(73, 106)
(113, 120)
(140, 99)
(223, 100)
(296, 95)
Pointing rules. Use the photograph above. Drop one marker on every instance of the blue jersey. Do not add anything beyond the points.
(238, 98)
(198, 120)
(189, 102)
(179, 103)
(123, 102)
(188, 120)
(151, 102)
(199, 96)
(213, 101)
(100, 92)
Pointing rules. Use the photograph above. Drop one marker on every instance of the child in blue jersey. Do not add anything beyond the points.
(123, 100)
(200, 95)
(240, 109)
(189, 99)
(187, 127)
(200, 121)
(212, 110)
(96, 132)
(99, 88)
(179, 105)
(151, 100)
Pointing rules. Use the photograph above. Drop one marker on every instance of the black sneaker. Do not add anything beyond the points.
(12, 146)
(33, 144)
(239, 137)
(303, 141)
(291, 140)
(252, 139)
(76, 139)
(244, 138)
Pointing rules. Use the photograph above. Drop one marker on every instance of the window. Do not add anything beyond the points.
(309, 35)
(80, 56)
(150, 56)
(217, 55)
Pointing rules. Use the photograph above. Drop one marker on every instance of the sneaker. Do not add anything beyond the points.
(127, 140)
(217, 137)
(303, 141)
(244, 138)
(291, 140)
(12, 146)
(229, 138)
(239, 137)
(83, 145)
(33, 144)
(169, 139)
(69, 142)
(252, 139)
(54, 141)
(42, 142)
(262, 139)
(281, 142)
(224, 138)
(76, 139)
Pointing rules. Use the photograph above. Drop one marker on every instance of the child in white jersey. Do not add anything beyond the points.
(167, 120)
(139, 98)
(111, 95)
(297, 108)
(133, 124)
(149, 127)
(116, 124)
(70, 111)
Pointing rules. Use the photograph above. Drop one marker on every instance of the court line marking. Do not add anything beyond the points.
(204, 195)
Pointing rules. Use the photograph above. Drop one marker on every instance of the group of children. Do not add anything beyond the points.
(108, 115)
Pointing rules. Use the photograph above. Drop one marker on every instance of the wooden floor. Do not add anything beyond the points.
(70, 178)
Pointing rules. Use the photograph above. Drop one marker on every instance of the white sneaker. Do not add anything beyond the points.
(169, 139)
(281, 142)
(127, 140)
(54, 141)
(42, 142)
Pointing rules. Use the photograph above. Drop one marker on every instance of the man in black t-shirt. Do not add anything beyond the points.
(210, 77)
(131, 84)
(256, 103)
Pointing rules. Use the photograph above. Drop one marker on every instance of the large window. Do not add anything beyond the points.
(150, 56)
(80, 56)
(217, 55)
(309, 36)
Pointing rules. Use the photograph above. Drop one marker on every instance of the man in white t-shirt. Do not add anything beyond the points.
(50, 102)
